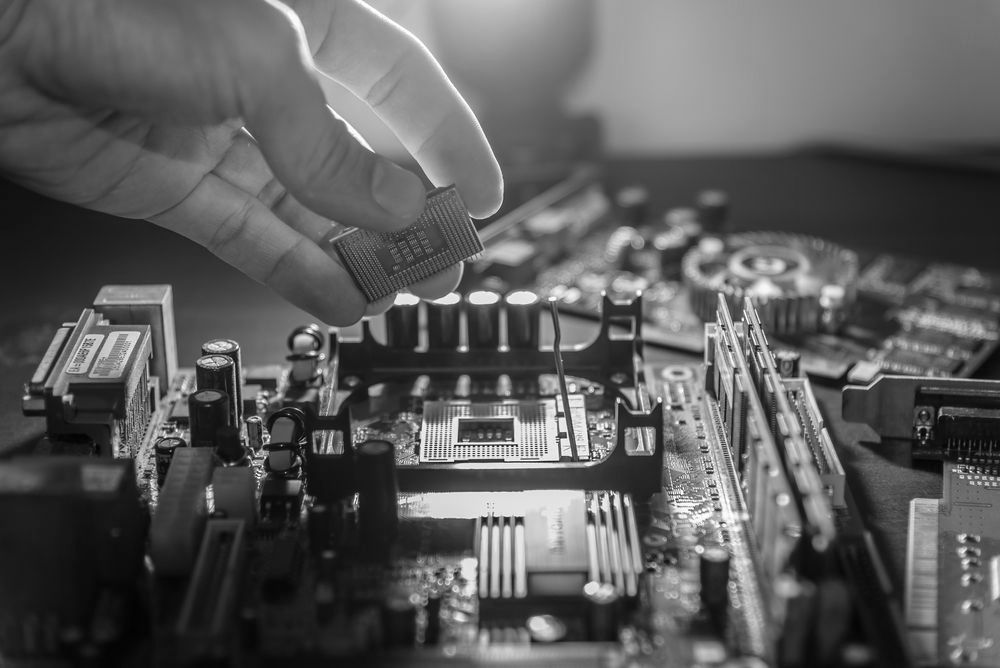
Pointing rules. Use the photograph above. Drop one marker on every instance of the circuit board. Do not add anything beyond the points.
(421, 503)
(905, 316)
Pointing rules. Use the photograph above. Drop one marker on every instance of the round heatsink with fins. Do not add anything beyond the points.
(799, 284)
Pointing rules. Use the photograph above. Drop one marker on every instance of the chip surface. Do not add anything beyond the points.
(383, 263)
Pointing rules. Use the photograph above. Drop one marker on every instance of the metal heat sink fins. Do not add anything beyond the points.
(383, 263)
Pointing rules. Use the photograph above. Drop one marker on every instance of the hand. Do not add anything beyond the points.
(207, 117)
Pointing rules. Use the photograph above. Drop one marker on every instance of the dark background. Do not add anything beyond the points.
(55, 257)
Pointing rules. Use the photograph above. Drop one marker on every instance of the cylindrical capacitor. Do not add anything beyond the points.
(444, 322)
(603, 611)
(483, 319)
(255, 433)
(164, 449)
(713, 210)
(523, 312)
(402, 322)
(788, 362)
(228, 446)
(713, 570)
(378, 493)
(209, 410)
(399, 620)
(230, 349)
(625, 249)
(671, 244)
(218, 372)
(633, 203)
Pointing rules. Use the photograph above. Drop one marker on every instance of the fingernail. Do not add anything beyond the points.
(398, 191)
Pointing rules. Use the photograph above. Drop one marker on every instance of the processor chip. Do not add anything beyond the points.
(383, 263)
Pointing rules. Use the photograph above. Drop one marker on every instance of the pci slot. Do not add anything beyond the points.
(205, 625)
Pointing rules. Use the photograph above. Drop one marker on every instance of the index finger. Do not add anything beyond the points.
(395, 74)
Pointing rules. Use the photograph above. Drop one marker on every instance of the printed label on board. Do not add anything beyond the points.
(113, 358)
(83, 356)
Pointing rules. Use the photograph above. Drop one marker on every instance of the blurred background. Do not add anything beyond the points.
(683, 77)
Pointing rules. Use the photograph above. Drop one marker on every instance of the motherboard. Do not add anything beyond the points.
(848, 312)
(455, 493)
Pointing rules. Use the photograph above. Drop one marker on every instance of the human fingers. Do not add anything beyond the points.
(396, 75)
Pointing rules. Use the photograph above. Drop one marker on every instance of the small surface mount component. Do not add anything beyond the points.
(382, 263)
(460, 495)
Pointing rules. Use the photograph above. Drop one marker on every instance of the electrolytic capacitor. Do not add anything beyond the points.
(482, 312)
(713, 571)
(523, 312)
(603, 611)
(209, 410)
(713, 210)
(255, 433)
(633, 203)
(164, 449)
(444, 322)
(218, 372)
(228, 446)
(671, 244)
(378, 493)
(230, 349)
(402, 322)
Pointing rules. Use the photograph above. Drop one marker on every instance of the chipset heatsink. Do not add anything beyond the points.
(505, 431)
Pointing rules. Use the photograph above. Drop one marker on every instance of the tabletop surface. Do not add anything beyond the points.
(55, 257)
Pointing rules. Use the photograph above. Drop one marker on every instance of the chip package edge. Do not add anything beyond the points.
(445, 220)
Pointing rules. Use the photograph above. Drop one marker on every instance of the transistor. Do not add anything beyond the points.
(382, 263)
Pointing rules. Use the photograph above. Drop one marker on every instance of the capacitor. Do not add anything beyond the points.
(483, 319)
(523, 312)
(230, 349)
(671, 244)
(218, 372)
(633, 203)
(164, 449)
(432, 612)
(685, 219)
(713, 571)
(833, 307)
(603, 611)
(788, 362)
(399, 619)
(306, 338)
(713, 210)
(255, 433)
(443, 322)
(228, 446)
(378, 493)
(209, 409)
(402, 322)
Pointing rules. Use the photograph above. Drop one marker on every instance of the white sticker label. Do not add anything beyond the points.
(113, 358)
(83, 356)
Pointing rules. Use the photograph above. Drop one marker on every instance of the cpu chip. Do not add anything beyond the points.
(383, 263)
